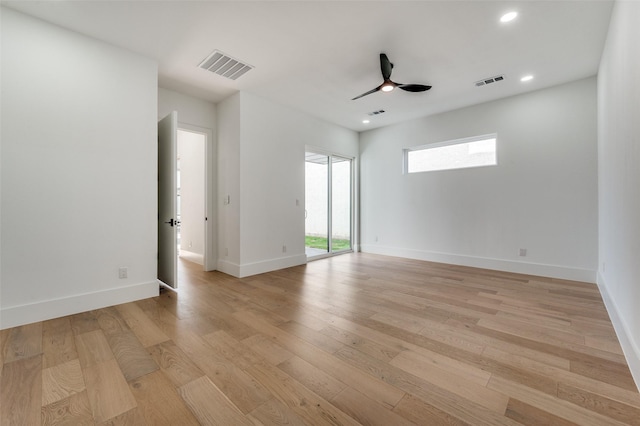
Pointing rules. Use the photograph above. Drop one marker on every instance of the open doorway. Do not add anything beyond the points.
(328, 205)
(186, 192)
(191, 195)
(203, 208)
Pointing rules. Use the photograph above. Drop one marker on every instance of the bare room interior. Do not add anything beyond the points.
(319, 212)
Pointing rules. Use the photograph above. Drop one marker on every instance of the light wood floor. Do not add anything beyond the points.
(355, 339)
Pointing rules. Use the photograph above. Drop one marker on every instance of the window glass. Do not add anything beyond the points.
(458, 154)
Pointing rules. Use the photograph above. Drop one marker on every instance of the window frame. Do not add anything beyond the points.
(406, 151)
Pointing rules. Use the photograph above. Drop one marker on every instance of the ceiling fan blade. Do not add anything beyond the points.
(385, 66)
(367, 93)
(414, 87)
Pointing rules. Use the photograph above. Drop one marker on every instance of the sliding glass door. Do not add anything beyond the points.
(328, 206)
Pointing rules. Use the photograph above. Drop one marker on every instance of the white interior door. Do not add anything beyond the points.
(167, 198)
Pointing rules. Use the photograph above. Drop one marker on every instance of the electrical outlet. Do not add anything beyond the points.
(226, 251)
(523, 252)
(284, 248)
(122, 273)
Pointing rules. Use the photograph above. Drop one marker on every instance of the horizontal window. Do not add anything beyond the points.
(457, 154)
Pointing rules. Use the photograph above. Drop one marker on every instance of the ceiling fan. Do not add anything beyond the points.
(387, 85)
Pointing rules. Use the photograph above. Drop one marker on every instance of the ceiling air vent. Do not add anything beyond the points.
(489, 80)
(224, 65)
(372, 113)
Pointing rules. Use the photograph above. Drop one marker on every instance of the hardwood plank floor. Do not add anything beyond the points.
(354, 339)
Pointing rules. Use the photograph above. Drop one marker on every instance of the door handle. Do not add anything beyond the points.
(171, 222)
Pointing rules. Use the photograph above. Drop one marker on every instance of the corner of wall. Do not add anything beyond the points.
(229, 268)
(255, 268)
(630, 347)
(261, 267)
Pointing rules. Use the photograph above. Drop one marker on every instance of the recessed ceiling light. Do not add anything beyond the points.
(508, 17)
(365, 121)
(526, 78)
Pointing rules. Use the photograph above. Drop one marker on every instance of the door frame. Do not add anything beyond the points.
(354, 226)
(210, 262)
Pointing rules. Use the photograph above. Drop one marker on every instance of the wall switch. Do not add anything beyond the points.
(284, 248)
(523, 252)
(227, 200)
(297, 202)
(122, 273)
(376, 239)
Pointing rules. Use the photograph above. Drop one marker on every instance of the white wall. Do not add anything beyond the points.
(228, 136)
(619, 178)
(191, 111)
(198, 115)
(191, 154)
(542, 195)
(271, 141)
(79, 167)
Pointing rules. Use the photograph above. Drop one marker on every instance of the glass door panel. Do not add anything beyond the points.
(316, 204)
(340, 204)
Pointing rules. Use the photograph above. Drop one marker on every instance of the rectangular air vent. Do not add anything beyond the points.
(380, 111)
(489, 80)
(224, 65)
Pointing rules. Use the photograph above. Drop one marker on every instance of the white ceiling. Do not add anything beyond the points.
(315, 56)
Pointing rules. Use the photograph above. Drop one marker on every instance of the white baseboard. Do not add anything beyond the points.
(630, 346)
(192, 257)
(554, 271)
(14, 316)
(248, 269)
(229, 268)
(261, 267)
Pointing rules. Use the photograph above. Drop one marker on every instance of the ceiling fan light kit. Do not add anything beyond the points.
(508, 17)
(388, 85)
